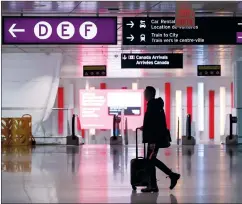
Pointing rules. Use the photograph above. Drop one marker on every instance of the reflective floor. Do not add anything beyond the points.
(101, 174)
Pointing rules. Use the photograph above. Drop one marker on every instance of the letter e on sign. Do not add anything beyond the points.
(65, 30)
(88, 30)
(42, 30)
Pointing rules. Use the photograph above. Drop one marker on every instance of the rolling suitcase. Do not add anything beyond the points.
(138, 168)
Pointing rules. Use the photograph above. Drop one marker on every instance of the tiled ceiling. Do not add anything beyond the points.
(117, 7)
(77, 55)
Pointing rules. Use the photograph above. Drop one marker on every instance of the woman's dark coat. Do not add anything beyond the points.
(154, 125)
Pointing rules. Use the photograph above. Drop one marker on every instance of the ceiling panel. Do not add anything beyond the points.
(78, 55)
(120, 7)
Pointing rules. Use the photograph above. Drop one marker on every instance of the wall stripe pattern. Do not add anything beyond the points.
(211, 113)
(103, 86)
(189, 101)
(78, 124)
(60, 104)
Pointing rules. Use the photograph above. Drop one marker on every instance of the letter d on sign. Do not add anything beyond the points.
(42, 30)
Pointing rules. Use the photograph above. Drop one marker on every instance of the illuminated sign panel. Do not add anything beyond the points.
(152, 61)
(94, 70)
(98, 106)
(59, 30)
(208, 70)
(163, 31)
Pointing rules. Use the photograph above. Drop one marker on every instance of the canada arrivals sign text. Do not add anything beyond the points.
(152, 61)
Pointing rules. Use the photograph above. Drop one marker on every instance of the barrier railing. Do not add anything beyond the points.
(44, 125)
(17, 131)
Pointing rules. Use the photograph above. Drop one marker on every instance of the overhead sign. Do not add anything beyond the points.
(95, 70)
(59, 30)
(163, 31)
(185, 15)
(208, 70)
(152, 61)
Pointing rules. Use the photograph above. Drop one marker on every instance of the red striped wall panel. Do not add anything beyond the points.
(211, 114)
(168, 104)
(60, 104)
(78, 124)
(103, 86)
(83, 133)
(232, 94)
(189, 101)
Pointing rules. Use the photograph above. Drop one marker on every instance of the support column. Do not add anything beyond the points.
(238, 97)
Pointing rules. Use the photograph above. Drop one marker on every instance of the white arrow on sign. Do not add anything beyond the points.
(131, 38)
(12, 30)
(131, 24)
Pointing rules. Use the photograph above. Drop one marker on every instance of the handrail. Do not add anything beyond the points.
(62, 108)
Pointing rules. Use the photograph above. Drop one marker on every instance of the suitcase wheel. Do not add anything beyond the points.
(134, 188)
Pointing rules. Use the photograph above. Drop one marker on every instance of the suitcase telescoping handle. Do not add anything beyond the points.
(136, 148)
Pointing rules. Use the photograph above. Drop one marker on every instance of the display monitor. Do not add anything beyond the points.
(97, 107)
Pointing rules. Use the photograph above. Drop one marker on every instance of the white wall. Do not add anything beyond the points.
(29, 84)
(211, 83)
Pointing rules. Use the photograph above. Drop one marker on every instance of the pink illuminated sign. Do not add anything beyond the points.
(98, 106)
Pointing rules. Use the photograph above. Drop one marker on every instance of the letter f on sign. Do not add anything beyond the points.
(88, 30)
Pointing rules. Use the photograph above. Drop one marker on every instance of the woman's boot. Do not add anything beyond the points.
(174, 178)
